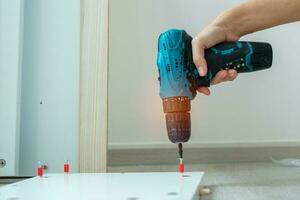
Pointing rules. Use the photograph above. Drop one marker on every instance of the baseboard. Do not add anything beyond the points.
(220, 144)
(207, 154)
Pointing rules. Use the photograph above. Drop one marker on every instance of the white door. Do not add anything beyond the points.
(10, 78)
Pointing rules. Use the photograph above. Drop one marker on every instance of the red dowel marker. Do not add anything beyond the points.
(40, 169)
(66, 167)
(181, 166)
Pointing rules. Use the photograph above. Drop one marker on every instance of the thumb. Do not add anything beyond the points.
(198, 56)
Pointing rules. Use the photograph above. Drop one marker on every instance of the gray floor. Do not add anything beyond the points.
(240, 181)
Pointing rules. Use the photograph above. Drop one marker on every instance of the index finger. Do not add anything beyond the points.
(198, 56)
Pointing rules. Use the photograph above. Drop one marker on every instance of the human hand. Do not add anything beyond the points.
(208, 37)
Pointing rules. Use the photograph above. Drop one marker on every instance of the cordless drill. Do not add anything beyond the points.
(179, 78)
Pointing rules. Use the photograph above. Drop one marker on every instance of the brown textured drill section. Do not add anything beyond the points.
(176, 104)
(178, 126)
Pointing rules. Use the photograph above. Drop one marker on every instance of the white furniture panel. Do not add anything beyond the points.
(50, 86)
(11, 16)
(108, 186)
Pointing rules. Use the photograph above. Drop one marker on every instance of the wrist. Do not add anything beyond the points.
(235, 21)
(225, 22)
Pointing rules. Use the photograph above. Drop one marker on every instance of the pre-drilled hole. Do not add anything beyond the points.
(2, 163)
(172, 193)
(132, 198)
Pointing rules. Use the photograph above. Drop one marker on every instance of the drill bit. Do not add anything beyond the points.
(180, 151)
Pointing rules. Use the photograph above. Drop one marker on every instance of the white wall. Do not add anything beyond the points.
(11, 15)
(257, 108)
(50, 86)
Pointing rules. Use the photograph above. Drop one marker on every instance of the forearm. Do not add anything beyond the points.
(256, 15)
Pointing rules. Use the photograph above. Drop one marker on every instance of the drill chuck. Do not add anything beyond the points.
(178, 119)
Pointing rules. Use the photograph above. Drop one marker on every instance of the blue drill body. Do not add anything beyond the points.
(173, 70)
(179, 77)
